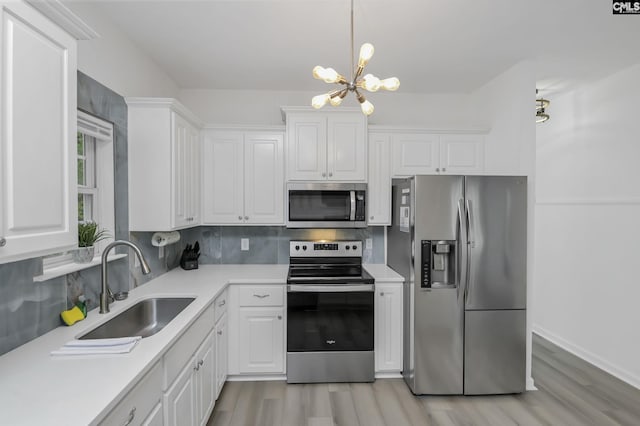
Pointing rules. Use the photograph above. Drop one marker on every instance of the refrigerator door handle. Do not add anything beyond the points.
(462, 261)
(471, 245)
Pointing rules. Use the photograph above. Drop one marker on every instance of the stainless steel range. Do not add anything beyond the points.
(329, 313)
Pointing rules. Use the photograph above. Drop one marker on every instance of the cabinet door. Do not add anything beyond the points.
(223, 178)
(379, 189)
(181, 171)
(264, 179)
(347, 147)
(180, 400)
(222, 348)
(388, 311)
(38, 193)
(415, 154)
(156, 417)
(195, 159)
(306, 147)
(205, 380)
(261, 340)
(461, 154)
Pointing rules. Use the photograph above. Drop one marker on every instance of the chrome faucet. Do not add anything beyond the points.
(106, 295)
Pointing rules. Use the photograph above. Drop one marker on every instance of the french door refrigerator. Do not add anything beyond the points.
(460, 243)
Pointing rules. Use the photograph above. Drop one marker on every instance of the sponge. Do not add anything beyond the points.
(72, 316)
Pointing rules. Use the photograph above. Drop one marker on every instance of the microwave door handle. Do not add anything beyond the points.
(352, 216)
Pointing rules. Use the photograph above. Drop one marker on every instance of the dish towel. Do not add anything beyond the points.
(121, 345)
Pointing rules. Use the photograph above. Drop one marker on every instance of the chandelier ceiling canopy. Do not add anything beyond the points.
(368, 82)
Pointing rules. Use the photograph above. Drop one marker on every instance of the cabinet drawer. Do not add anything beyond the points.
(181, 351)
(261, 295)
(221, 304)
(139, 402)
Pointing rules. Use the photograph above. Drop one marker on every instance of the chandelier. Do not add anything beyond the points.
(541, 104)
(368, 82)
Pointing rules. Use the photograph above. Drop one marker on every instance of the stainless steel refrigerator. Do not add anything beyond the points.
(460, 243)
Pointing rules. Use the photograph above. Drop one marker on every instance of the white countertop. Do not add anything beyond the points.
(39, 389)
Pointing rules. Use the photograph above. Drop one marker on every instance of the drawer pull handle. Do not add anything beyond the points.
(220, 332)
(3, 241)
(132, 415)
(331, 342)
(260, 296)
(224, 302)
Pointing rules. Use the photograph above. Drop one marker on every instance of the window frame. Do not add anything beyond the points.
(104, 191)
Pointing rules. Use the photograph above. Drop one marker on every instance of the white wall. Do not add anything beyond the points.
(117, 63)
(263, 107)
(587, 288)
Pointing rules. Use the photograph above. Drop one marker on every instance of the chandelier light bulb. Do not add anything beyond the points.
(366, 52)
(318, 72)
(367, 107)
(371, 83)
(319, 101)
(391, 84)
(335, 100)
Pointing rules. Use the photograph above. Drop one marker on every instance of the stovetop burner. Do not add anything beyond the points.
(322, 262)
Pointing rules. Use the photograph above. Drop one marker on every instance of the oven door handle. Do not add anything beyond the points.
(329, 288)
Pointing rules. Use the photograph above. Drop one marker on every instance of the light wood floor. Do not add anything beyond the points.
(571, 392)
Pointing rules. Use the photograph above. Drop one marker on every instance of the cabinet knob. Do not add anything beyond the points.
(444, 170)
(132, 415)
(239, 217)
(224, 302)
(324, 175)
(3, 241)
(382, 293)
(330, 174)
(371, 218)
(220, 332)
(437, 169)
(246, 218)
(200, 363)
(279, 317)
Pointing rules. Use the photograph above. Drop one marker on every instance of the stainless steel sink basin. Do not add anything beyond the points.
(145, 318)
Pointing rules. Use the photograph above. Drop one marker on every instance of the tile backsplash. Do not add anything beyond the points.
(267, 245)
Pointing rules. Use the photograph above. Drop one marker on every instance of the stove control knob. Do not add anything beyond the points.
(297, 247)
(353, 247)
(304, 247)
(347, 247)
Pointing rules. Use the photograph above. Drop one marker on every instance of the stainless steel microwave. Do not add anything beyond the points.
(326, 205)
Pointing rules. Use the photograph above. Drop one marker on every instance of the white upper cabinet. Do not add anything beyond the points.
(38, 193)
(461, 154)
(243, 178)
(164, 165)
(326, 145)
(379, 188)
(428, 153)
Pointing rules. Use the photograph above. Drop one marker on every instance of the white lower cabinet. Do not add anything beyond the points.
(222, 350)
(388, 327)
(190, 399)
(140, 405)
(257, 329)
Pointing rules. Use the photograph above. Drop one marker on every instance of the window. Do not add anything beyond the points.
(95, 181)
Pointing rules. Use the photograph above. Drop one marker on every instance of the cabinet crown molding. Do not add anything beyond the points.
(428, 130)
(64, 18)
(307, 109)
(170, 103)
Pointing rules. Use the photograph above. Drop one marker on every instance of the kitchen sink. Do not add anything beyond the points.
(145, 318)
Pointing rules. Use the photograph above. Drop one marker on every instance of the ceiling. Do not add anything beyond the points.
(432, 46)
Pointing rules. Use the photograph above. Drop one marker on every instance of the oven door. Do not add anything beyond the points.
(330, 317)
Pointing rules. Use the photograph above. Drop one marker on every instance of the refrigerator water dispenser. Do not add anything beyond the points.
(438, 264)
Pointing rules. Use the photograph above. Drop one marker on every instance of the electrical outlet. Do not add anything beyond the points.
(369, 243)
(244, 244)
(160, 252)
